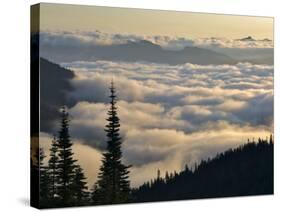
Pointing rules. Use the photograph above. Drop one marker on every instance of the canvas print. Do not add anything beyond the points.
(135, 105)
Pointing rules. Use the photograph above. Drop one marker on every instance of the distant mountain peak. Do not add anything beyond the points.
(147, 42)
(266, 40)
(248, 38)
(141, 43)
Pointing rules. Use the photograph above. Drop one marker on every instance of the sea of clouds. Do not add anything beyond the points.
(170, 115)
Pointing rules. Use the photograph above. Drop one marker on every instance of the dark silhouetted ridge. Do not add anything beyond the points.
(247, 170)
(54, 86)
(142, 50)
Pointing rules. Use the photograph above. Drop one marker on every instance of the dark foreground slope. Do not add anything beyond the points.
(54, 86)
(247, 170)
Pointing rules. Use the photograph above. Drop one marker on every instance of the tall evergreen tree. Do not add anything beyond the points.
(44, 179)
(53, 168)
(271, 139)
(113, 184)
(95, 194)
(79, 187)
(66, 163)
(158, 174)
(34, 174)
(167, 177)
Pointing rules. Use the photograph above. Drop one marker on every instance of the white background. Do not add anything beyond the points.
(14, 101)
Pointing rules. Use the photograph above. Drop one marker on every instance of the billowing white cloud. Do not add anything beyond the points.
(221, 88)
(196, 92)
(89, 119)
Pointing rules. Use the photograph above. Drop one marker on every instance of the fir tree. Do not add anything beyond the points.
(95, 195)
(34, 174)
(113, 185)
(167, 177)
(53, 167)
(158, 174)
(271, 139)
(44, 179)
(79, 187)
(66, 163)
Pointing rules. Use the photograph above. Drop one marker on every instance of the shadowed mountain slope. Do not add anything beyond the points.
(54, 85)
(137, 51)
(247, 170)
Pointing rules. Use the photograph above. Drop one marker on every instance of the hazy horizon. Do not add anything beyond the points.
(153, 22)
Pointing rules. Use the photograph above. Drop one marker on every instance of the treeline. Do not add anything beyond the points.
(246, 170)
(62, 182)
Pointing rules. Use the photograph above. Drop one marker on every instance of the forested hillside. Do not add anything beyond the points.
(247, 170)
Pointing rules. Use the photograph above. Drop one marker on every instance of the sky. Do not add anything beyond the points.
(152, 22)
(172, 114)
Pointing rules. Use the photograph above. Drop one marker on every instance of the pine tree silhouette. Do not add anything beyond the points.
(167, 177)
(158, 174)
(79, 187)
(66, 163)
(44, 179)
(95, 194)
(34, 176)
(53, 168)
(271, 139)
(113, 184)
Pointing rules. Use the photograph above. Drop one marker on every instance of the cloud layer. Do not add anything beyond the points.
(170, 115)
(89, 38)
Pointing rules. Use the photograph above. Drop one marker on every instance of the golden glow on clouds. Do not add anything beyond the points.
(153, 22)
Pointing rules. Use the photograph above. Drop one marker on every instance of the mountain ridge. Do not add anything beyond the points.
(134, 51)
(246, 170)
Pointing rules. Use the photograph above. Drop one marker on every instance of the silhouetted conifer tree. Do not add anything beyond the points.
(34, 174)
(79, 187)
(271, 139)
(44, 179)
(53, 168)
(158, 174)
(167, 177)
(113, 184)
(66, 163)
(95, 197)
